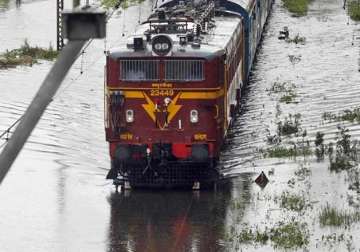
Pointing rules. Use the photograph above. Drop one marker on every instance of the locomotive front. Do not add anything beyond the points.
(165, 105)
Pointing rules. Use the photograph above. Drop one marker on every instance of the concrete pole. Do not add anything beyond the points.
(38, 105)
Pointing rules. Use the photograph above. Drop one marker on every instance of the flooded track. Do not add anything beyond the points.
(56, 198)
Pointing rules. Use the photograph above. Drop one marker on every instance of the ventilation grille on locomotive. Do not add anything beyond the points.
(184, 70)
(139, 70)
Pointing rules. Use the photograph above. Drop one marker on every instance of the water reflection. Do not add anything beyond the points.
(173, 221)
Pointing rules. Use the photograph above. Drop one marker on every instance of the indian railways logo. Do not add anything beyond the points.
(162, 112)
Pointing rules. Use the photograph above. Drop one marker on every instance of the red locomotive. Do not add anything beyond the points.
(173, 89)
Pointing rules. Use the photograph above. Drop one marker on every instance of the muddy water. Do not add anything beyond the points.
(56, 199)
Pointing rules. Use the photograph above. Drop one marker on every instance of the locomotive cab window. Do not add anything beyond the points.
(139, 70)
(184, 70)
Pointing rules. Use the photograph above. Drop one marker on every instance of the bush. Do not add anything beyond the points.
(26, 55)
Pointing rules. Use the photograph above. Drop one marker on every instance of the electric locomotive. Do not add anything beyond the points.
(172, 91)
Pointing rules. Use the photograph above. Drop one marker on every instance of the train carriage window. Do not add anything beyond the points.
(139, 70)
(184, 70)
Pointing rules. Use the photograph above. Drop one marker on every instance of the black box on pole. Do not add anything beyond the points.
(84, 24)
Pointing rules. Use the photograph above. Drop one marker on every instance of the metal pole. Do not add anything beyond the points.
(59, 25)
(38, 105)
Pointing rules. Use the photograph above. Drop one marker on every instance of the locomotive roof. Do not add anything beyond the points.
(213, 43)
(244, 4)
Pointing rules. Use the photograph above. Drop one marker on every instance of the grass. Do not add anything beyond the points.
(289, 236)
(288, 98)
(330, 216)
(281, 151)
(281, 87)
(290, 125)
(297, 7)
(287, 89)
(4, 3)
(248, 236)
(286, 236)
(26, 55)
(346, 115)
(292, 202)
(341, 163)
(354, 10)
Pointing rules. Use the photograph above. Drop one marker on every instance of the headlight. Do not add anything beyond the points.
(163, 46)
(194, 116)
(129, 115)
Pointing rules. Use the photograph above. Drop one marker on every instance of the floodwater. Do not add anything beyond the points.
(55, 197)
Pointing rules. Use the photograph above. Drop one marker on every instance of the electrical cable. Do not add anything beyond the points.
(8, 129)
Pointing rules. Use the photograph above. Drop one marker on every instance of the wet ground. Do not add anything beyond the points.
(56, 199)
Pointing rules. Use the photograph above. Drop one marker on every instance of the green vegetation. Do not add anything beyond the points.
(297, 7)
(354, 180)
(292, 202)
(294, 59)
(281, 151)
(330, 216)
(290, 236)
(297, 40)
(319, 144)
(328, 116)
(26, 55)
(114, 4)
(340, 163)
(290, 125)
(286, 236)
(303, 172)
(345, 154)
(346, 115)
(336, 239)
(354, 9)
(287, 89)
(288, 98)
(4, 3)
(248, 236)
(281, 87)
